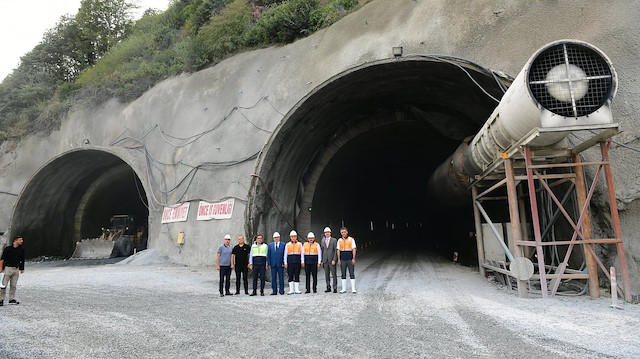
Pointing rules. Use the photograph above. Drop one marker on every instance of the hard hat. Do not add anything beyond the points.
(276, 234)
(293, 233)
(311, 235)
(227, 236)
(327, 229)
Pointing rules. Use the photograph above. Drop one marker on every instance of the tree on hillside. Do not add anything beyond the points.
(102, 24)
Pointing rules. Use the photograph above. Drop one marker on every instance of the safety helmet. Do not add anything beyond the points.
(327, 229)
(276, 234)
(228, 236)
(311, 235)
(293, 233)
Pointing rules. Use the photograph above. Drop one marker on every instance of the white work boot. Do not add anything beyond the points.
(353, 286)
(290, 288)
(344, 286)
(297, 291)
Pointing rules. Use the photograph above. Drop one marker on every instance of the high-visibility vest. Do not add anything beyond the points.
(259, 250)
(345, 244)
(311, 249)
(294, 248)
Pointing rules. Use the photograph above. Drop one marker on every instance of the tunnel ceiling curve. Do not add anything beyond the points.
(450, 98)
(72, 198)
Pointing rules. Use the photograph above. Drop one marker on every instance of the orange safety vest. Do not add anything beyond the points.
(294, 248)
(311, 250)
(345, 244)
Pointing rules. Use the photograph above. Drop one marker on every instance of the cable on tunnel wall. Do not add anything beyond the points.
(190, 175)
(453, 60)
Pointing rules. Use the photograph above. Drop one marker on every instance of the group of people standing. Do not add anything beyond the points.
(328, 252)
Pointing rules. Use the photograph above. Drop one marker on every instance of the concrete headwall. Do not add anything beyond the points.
(229, 112)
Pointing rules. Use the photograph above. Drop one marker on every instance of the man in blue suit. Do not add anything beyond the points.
(275, 261)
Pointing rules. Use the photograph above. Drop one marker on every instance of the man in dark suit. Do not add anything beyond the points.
(328, 246)
(275, 261)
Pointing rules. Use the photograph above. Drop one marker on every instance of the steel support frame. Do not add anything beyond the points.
(582, 232)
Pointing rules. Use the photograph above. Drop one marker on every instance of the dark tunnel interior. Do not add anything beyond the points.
(73, 198)
(359, 152)
(375, 185)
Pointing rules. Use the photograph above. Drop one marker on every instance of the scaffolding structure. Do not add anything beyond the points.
(540, 185)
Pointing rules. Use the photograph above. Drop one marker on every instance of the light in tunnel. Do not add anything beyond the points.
(567, 83)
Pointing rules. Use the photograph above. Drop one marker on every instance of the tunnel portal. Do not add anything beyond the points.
(73, 197)
(358, 151)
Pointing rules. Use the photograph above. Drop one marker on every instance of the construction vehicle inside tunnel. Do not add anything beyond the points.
(78, 196)
(122, 238)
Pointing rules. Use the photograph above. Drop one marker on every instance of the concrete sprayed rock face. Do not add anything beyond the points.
(330, 130)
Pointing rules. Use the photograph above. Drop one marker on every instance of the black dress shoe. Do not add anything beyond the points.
(262, 294)
(281, 293)
(315, 291)
(335, 290)
(307, 291)
(222, 295)
(274, 293)
(328, 290)
(252, 294)
(236, 293)
(1, 303)
(228, 293)
(246, 292)
(13, 301)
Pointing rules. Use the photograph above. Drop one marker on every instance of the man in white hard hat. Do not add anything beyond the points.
(275, 262)
(293, 262)
(347, 259)
(224, 265)
(311, 260)
(329, 246)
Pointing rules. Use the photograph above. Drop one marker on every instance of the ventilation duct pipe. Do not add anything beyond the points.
(565, 85)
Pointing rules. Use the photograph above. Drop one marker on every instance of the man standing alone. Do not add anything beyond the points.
(329, 246)
(224, 265)
(240, 259)
(258, 262)
(347, 259)
(12, 262)
(275, 262)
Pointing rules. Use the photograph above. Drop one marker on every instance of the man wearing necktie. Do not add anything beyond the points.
(329, 246)
(275, 262)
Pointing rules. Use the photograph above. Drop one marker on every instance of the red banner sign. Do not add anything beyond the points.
(175, 214)
(218, 210)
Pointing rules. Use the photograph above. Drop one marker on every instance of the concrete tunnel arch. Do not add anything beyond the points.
(73, 197)
(358, 151)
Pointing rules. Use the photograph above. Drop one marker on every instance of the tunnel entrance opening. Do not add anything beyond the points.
(375, 185)
(72, 198)
(359, 149)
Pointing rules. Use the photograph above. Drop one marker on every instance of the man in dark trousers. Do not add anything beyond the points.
(240, 258)
(311, 259)
(225, 265)
(258, 262)
(12, 263)
(329, 246)
(275, 262)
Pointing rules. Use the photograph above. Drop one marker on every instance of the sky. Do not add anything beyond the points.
(23, 22)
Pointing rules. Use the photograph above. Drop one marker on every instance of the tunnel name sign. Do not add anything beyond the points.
(218, 210)
(175, 214)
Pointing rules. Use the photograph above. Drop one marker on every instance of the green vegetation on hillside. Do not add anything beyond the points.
(102, 53)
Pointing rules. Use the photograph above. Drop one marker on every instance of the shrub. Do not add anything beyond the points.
(225, 33)
(331, 12)
(283, 23)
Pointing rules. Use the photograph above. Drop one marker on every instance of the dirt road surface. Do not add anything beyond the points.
(408, 305)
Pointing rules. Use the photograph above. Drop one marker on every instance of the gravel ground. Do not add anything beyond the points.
(407, 305)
